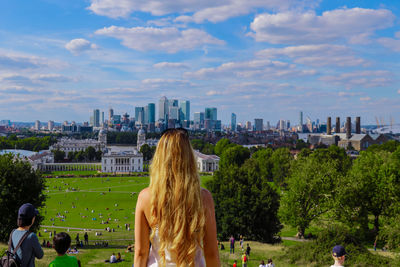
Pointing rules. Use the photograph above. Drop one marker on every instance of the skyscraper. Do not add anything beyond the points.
(37, 125)
(162, 108)
(211, 114)
(110, 115)
(173, 112)
(50, 125)
(96, 118)
(151, 107)
(258, 124)
(233, 122)
(185, 109)
(301, 121)
(102, 118)
(139, 115)
(198, 120)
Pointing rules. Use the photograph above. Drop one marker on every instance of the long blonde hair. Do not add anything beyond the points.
(176, 203)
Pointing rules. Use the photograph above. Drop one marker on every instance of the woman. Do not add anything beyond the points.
(30, 247)
(174, 213)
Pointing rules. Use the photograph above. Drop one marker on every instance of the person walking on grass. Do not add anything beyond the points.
(30, 247)
(270, 263)
(61, 243)
(339, 255)
(248, 249)
(174, 213)
(245, 259)
(232, 245)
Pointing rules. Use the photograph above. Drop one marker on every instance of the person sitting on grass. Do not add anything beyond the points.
(338, 254)
(61, 243)
(270, 263)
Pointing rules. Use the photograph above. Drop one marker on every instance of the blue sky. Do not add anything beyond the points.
(258, 58)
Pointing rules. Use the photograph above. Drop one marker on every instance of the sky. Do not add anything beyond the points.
(266, 59)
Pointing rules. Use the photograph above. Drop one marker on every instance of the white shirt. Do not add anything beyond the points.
(113, 259)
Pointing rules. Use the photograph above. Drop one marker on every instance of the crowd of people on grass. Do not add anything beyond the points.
(174, 223)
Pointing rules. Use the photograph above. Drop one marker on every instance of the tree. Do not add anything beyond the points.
(59, 155)
(280, 159)
(19, 184)
(234, 156)
(244, 202)
(90, 153)
(370, 188)
(263, 157)
(222, 145)
(147, 152)
(309, 191)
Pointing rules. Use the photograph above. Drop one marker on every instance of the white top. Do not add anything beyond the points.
(113, 259)
(155, 259)
(337, 266)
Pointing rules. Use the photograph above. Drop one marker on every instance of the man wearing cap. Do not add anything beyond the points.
(30, 247)
(338, 254)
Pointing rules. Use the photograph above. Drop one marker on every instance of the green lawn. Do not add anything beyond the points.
(76, 173)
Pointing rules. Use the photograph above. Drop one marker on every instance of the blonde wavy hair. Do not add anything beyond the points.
(176, 204)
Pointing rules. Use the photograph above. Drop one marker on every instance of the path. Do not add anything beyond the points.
(295, 239)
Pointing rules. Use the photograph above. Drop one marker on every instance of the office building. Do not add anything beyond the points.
(37, 125)
(173, 113)
(173, 103)
(258, 124)
(96, 118)
(233, 122)
(102, 118)
(268, 126)
(163, 109)
(282, 125)
(211, 114)
(301, 121)
(139, 115)
(198, 120)
(50, 125)
(185, 110)
(151, 110)
(248, 125)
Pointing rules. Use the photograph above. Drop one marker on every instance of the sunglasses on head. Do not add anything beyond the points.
(180, 129)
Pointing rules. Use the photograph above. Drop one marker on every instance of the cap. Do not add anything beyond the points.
(27, 210)
(338, 251)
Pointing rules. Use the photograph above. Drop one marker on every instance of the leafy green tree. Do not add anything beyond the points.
(59, 155)
(300, 144)
(370, 188)
(263, 157)
(197, 144)
(208, 149)
(71, 156)
(234, 156)
(90, 153)
(222, 145)
(147, 152)
(280, 159)
(244, 202)
(19, 184)
(309, 191)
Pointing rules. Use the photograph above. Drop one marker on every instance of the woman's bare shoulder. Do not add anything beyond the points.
(207, 197)
(144, 195)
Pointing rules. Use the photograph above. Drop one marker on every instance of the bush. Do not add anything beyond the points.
(320, 250)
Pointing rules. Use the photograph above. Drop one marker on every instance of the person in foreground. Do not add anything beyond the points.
(30, 247)
(61, 243)
(174, 213)
(338, 254)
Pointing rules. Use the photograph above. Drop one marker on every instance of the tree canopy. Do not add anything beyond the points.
(19, 184)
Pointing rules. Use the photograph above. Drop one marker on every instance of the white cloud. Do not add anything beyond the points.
(17, 61)
(347, 94)
(366, 79)
(170, 65)
(391, 43)
(354, 24)
(367, 98)
(169, 39)
(77, 46)
(316, 55)
(264, 68)
(36, 79)
(210, 10)
(398, 91)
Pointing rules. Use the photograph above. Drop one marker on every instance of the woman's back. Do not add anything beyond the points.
(174, 213)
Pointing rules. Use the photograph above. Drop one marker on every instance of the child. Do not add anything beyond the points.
(61, 243)
(338, 254)
(244, 260)
(235, 263)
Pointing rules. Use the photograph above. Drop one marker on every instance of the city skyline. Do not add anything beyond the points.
(270, 59)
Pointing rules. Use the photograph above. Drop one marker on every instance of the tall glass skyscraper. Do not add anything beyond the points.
(96, 118)
(139, 115)
(233, 122)
(151, 108)
(185, 109)
(162, 108)
(211, 114)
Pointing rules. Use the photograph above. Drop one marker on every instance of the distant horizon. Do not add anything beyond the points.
(259, 59)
